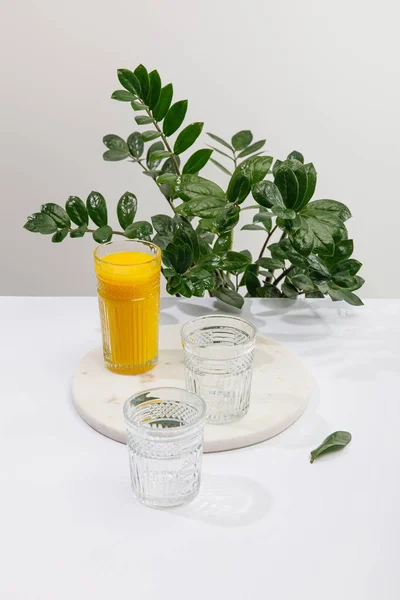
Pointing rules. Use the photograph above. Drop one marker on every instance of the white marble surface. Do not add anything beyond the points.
(266, 524)
(281, 389)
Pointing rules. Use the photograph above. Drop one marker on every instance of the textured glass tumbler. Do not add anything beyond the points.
(218, 354)
(165, 428)
(128, 287)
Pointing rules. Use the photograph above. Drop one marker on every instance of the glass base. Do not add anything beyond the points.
(130, 369)
(222, 419)
(166, 502)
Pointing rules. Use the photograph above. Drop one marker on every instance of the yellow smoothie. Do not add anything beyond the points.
(129, 300)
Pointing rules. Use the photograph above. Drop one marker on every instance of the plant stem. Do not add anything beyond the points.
(283, 274)
(166, 143)
(237, 282)
(235, 159)
(267, 240)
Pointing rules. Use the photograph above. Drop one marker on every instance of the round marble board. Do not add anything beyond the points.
(280, 391)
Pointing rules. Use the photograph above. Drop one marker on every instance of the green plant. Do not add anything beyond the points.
(335, 441)
(311, 256)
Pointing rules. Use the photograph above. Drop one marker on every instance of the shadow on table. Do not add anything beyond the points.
(228, 501)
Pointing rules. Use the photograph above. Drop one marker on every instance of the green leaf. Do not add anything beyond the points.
(155, 89)
(147, 136)
(323, 241)
(41, 223)
(140, 230)
(210, 261)
(277, 251)
(187, 137)
(169, 165)
(220, 152)
(343, 250)
(114, 155)
(337, 293)
(206, 277)
(350, 266)
(302, 239)
(221, 167)
(114, 142)
(184, 225)
(267, 194)
(173, 284)
(251, 281)
(256, 167)
(263, 217)
(242, 139)
(169, 178)
(57, 213)
(97, 208)
(333, 207)
(192, 186)
(202, 206)
(76, 211)
(180, 256)
(302, 282)
(123, 96)
(227, 218)
(300, 173)
(129, 81)
(276, 166)
(311, 183)
(271, 263)
(220, 141)
(79, 232)
(229, 297)
(252, 227)
(143, 77)
(238, 188)
(103, 234)
(126, 209)
(135, 144)
(234, 261)
(253, 148)
(287, 184)
(334, 441)
(137, 105)
(268, 291)
(284, 213)
(159, 155)
(288, 290)
(164, 102)
(223, 243)
(196, 162)
(314, 295)
(59, 236)
(174, 117)
(296, 156)
(142, 120)
(156, 147)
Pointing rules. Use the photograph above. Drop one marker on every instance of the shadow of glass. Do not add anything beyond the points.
(167, 319)
(228, 501)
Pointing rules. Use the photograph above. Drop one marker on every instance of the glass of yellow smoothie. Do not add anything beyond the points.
(128, 287)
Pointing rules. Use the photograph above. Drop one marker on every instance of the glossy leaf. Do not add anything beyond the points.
(288, 290)
(103, 234)
(57, 213)
(155, 89)
(79, 232)
(192, 186)
(129, 81)
(114, 142)
(137, 105)
(238, 188)
(169, 165)
(123, 96)
(268, 291)
(255, 168)
(59, 236)
(287, 184)
(229, 297)
(332, 207)
(156, 147)
(334, 441)
(114, 155)
(126, 209)
(284, 213)
(221, 167)
(142, 120)
(223, 243)
(135, 144)
(143, 77)
(216, 138)
(271, 263)
(97, 208)
(202, 206)
(267, 194)
(210, 261)
(252, 227)
(302, 282)
(234, 261)
(159, 155)
(251, 149)
(164, 102)
(185, 226)
(311, 183)
(174, 117)
(147, 136)
(180, 256)
(76, 211)
(242, 139)
(139, 230)
(350, 266)
(251, 281)
(187, 137)
(337, 293)
(296, 156)
(300, 173)
(227, 218)
(265, 218)
(196, 162)
(276, 166)
(41, 223)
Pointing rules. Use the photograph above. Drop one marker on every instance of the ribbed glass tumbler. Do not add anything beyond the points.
(218, 355)
(165, 428)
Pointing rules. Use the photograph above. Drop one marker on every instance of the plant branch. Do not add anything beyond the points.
(283, 274)
(166, 143)
(267, 240)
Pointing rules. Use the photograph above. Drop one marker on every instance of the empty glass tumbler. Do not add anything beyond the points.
(218, 356)
(165, 441)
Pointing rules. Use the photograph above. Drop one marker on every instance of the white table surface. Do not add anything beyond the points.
(267, 523)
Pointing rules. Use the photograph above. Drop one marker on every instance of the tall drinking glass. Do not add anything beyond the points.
(128, 286)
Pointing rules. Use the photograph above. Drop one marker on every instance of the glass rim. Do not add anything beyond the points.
(127, 241)
(185, 339)
(167, 432)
